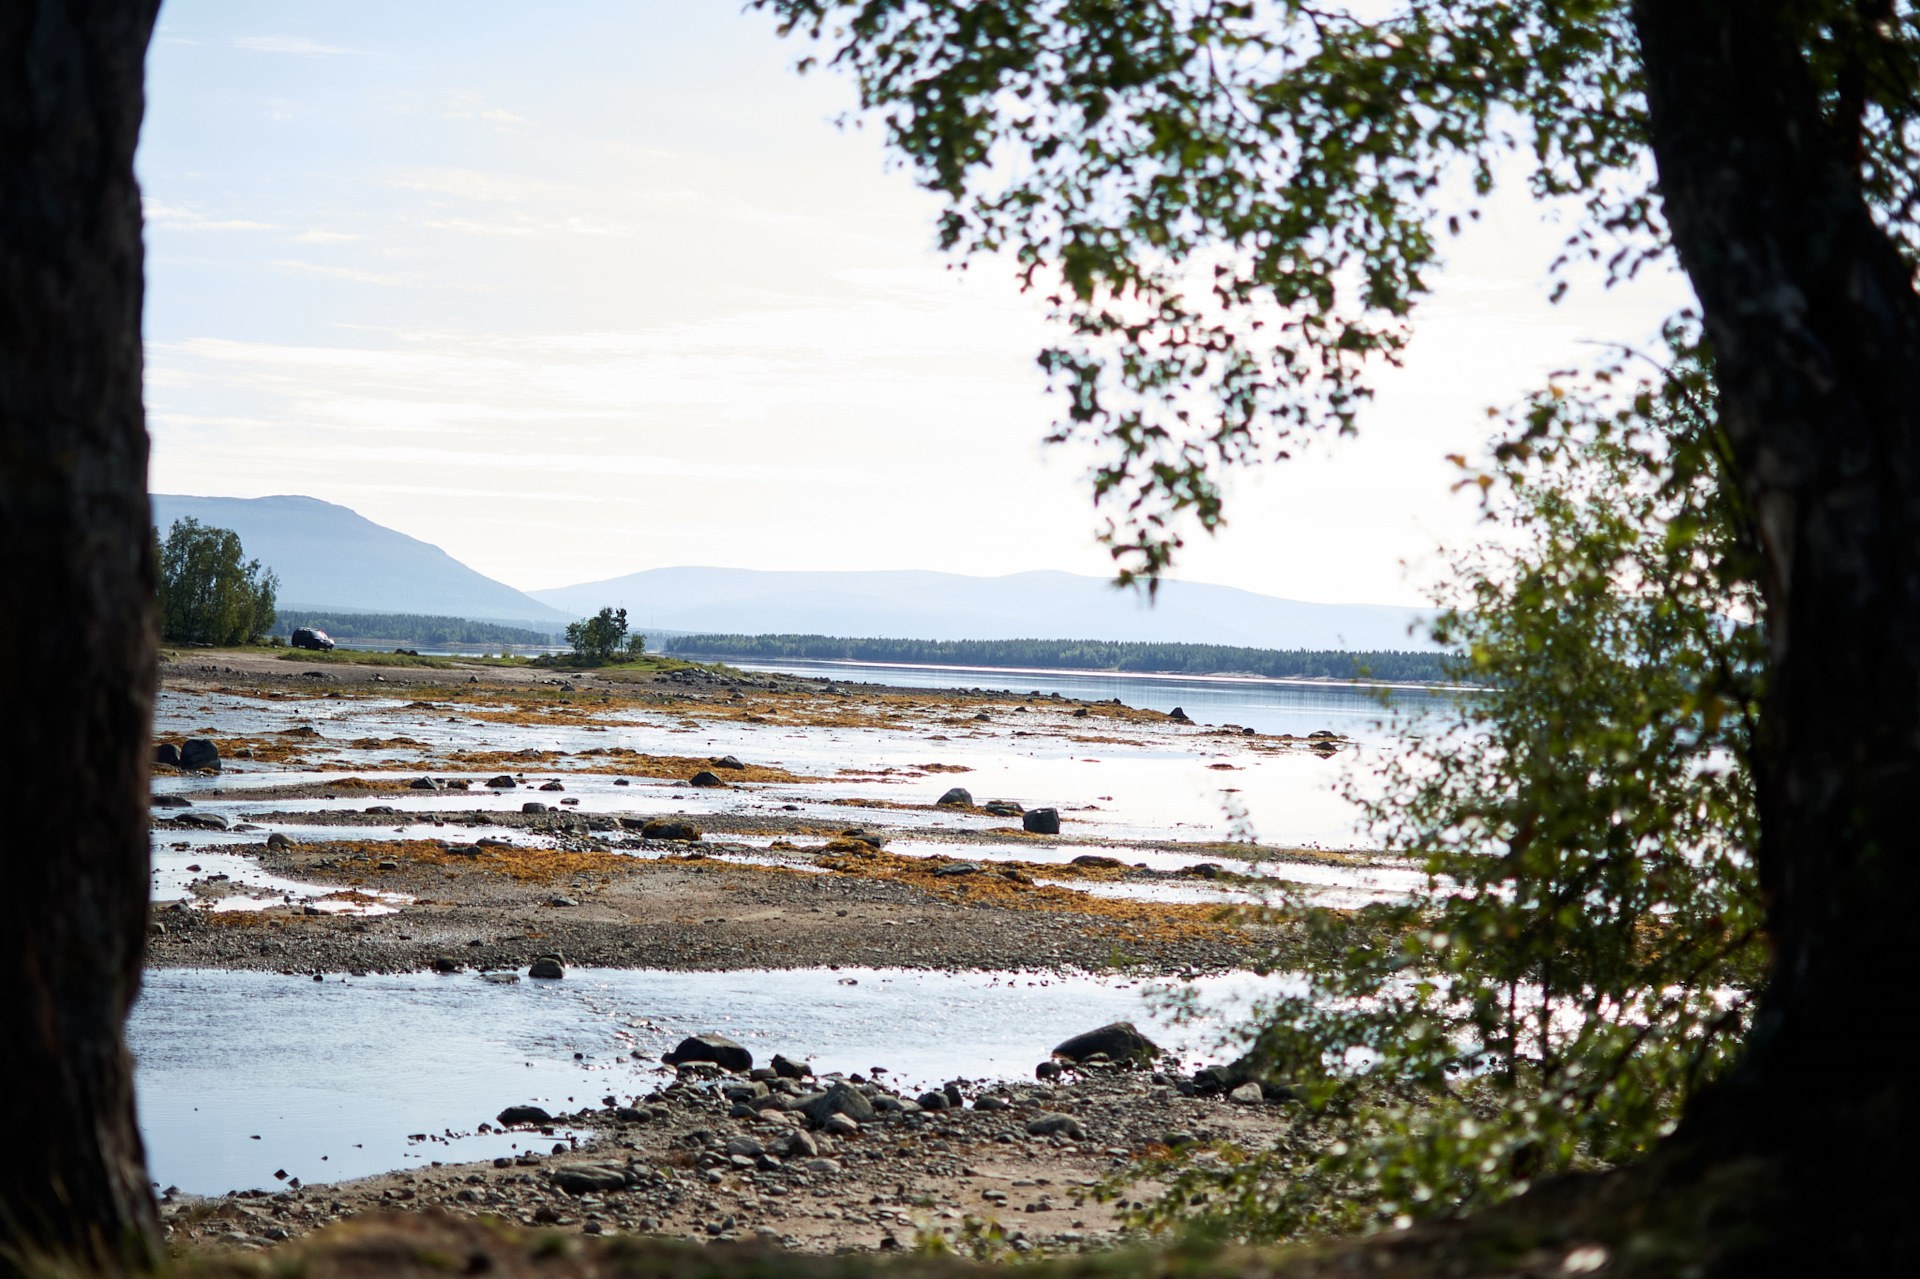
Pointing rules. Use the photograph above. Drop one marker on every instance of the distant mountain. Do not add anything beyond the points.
(924, 605)
(331, 558)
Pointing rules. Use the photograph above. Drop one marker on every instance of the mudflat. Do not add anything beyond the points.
(518, 823)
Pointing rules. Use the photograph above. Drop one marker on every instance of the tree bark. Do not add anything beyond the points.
(1815, 328)
(76, 628)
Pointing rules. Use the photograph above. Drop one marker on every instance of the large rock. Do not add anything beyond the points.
(705, 778)
(1116, 1041)
(659, 828)
(198, 752)
(1041, 821)
(502, 782)
(167, 753)
(959, 795)
(548, 968)
(718, 1049)
(587, 1179)
(787, 1068)
(728, 761)
(205, 821)
(1048, 1124)
(515, 1116)
(841, 1099)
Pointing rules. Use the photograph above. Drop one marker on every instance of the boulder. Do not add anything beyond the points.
(172, 801)
(840, 1125)
(841, 1099)
(588, 1179)
(788, 1068)
(706, 778)
(1247, 1094)
(205, 821)
(548, 968)
(198, 752)
(553, 786)
(717, 1049)
(1178, 716)
(682, 832)
(1094, 861)
(958, 795)
(424, 783)
(1050, 1123)
(516, 1116)
(1116, 1041)
(1002, 808)
(502, 782)
(957, 868)
(167, 753)
(1041, 821)
(533, 806)
(933, 1101)
(728, 761)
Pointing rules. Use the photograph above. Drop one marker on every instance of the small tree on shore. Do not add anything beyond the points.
(599, 637)
(209, 592)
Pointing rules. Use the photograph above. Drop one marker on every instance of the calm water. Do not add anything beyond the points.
(1268, 705)
(245, 1074)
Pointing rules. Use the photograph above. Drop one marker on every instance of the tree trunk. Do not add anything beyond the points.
(1815, 329)
(76, 628)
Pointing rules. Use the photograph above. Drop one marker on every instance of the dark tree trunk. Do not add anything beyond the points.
(1815, 329)
(76, 627)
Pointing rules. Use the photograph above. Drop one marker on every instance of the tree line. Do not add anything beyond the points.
(410, 628)
(1085, 655)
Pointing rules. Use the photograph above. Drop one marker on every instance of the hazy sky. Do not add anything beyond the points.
(578, 289)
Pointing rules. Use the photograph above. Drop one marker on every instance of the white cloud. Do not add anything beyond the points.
(320, 235)
(353, 273)
(290, 44)
(181, 217)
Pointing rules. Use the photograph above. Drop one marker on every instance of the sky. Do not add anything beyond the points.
(578, 290)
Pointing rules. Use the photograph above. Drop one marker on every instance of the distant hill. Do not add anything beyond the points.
(950, 606)
(331, 558)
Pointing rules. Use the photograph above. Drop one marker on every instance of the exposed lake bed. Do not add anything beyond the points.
(370, 823)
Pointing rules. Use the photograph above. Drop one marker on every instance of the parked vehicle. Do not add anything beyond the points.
(308, 637)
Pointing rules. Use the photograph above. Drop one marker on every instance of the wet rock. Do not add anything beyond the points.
(277, 840)
(1081, 713)
(552, 786)
(1002, 808)
(1041, 821)
(1323, 735)
(621, 781)
(198, 752)
(425, 783)
(502, 782)
(957, 868)
(861, 835)
(587, 1179)
(728, 761)
(533, 806)
(1047, 1070)
(1095, 861)
(205, 821)
(446, 964)
(1204, 870)
(787, 1068)
(677, 831)
(547, 968)
(1051, 1123)
(1178, 716)
(516, 1116)
(167, 753)
(841, 1099)
(959, 795)
(172, 801)
(1116, 1041)
(705, 778)
(714, 1048)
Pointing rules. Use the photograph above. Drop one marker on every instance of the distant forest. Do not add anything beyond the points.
(410, 628)
(1090, 655)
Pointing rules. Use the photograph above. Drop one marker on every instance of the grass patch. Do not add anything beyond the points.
(357, 657)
